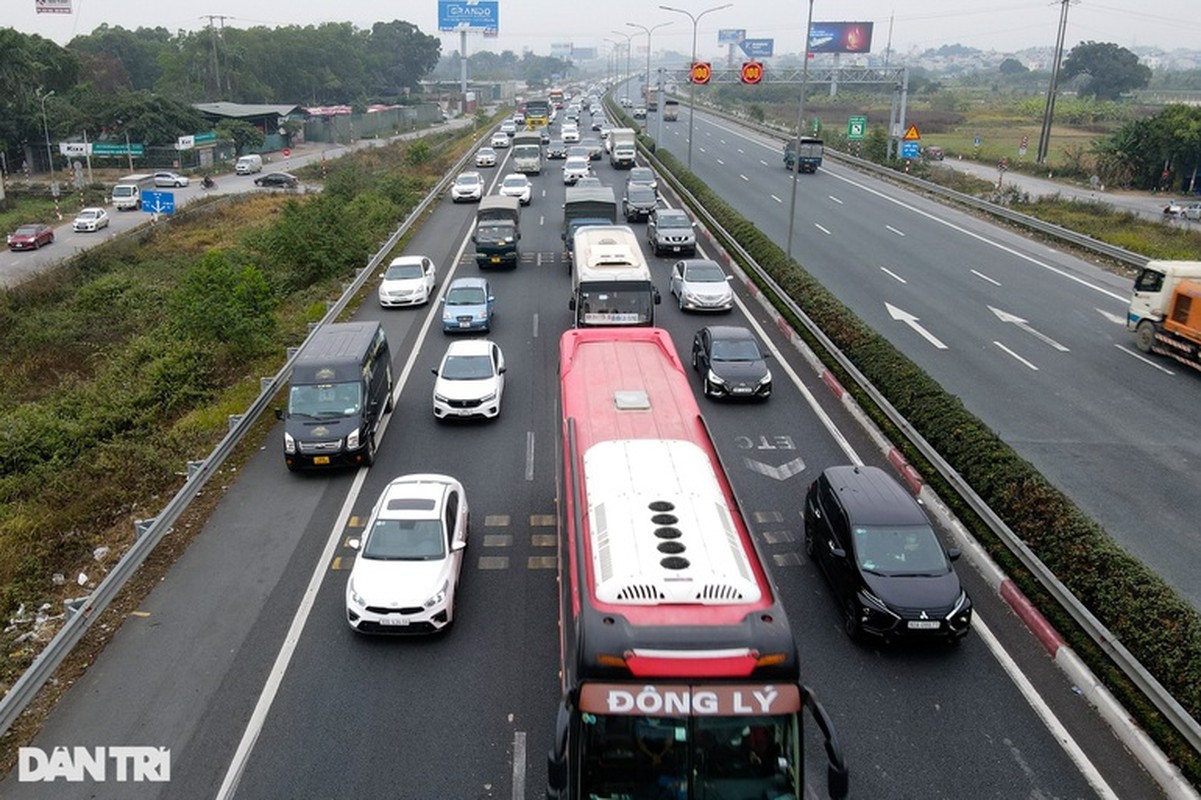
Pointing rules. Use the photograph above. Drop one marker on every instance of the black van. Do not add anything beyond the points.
(340, 390)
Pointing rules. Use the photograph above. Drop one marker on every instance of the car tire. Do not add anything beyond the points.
(369, 456)
(707, 388)
(850, 620)
(680, 300)
(810, 544)
(1144, 336)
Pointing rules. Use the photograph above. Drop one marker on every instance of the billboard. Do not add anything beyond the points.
(472, 15)
(731, 35)
(840, 37)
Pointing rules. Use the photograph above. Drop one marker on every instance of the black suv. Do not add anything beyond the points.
(890, 573)
(639, 202)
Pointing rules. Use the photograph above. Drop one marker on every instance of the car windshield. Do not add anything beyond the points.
(325, 400)
(88, 215)
(674, 221)
(704, 273)
(467, 180)
(576, 163)
(402, 272)
(515, 183)
(488, 153)
(641, 194)
(735, 350)
(900, 550)
(466, 368)
(466, 296)
(27, 230)
(405, 540)
(494, 230)
(641, 175)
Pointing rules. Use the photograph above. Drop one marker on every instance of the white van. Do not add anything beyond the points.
(248, 164)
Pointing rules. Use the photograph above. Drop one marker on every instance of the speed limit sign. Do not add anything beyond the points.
(287, 152)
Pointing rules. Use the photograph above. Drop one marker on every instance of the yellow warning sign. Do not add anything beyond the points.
(911, 135)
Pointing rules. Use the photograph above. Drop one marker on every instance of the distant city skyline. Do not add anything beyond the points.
(537, 26)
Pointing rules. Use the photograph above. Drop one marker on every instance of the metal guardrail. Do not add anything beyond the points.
(82, 612)
(1180, 719)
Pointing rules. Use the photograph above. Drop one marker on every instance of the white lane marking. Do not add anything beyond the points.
(1143, 359)
(984, 277)
(894, 230)
(542, 217)
(720, 162)
(700, 149)
(1044, 712)
(740, 151)
(1022, 324)
(535, 331)
(745, 178)
(1015, 355)
(519, 765)
(783, 364)
(538, 259)
(773, 197)
(764, 163)
(529, 455)
(823, 230)
(892, 274)
(835, 199)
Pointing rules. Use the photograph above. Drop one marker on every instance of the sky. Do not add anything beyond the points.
(536, 25)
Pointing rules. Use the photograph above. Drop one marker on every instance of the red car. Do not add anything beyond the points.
(30, 237)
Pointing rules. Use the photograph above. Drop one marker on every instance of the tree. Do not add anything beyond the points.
(399, 56)
(245, 136)
(223, 303)
(1107, 70)
(1011, 66)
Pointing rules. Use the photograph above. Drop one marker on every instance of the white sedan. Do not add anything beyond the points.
(410, 557)
(408, 281)
(499, 140)
(517, 185)
(468, 186)
(173, 179)
(470, 380)
(485, 157)
(700, 285)
(90, 219)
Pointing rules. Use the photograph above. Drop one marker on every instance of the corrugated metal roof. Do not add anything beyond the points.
(225, 109)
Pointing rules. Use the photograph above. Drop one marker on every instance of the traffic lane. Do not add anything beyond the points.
(511, 619)
(182, 672)
(955, 703)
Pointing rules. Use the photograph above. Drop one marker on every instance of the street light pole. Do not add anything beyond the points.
(800, 116)
(629, 38)
(46, 130)
(646, 90)
(691, 85)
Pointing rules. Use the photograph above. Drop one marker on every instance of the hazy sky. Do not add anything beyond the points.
(1003, 25)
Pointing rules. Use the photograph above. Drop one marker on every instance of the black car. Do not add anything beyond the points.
(640, 200)
(890, 573)
(556, 148)
(285, 180)
(731, 362)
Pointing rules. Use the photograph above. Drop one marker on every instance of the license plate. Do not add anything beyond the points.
(320, 459)
(465, 324)
(923, 624)
(675, 248)
(398, 621)
(495, 259)
(742, 390)
(463, 412)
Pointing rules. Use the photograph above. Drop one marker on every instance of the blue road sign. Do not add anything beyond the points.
(158, 202)
(731, 35)
(910, 149)
(482, 15)
(758, 48)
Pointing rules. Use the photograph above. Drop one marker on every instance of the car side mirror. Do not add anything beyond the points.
(954, 553)
(434, 370)
(571, 304)
(837, 552)
(279, 413)
(382, 274)
(658, 299)
(730, 278)
(459, 544)
(502, 370)
(442, 301)
(491, 298)
(354, 544)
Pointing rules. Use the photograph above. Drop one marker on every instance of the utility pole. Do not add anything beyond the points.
(1044, 139)
(213, 33)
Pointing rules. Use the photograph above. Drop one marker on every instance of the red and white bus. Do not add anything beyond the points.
(680, 673)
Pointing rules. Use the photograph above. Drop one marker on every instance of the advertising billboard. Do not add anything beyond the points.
(840, 37)
(477, 15)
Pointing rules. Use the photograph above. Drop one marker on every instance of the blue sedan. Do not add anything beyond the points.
(467, 306)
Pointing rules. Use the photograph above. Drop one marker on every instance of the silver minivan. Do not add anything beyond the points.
(248, 164)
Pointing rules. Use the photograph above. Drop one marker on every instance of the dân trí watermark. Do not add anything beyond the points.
(77, 764)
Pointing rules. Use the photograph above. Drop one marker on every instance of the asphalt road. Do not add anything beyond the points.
(470, 714)
(1032, 339)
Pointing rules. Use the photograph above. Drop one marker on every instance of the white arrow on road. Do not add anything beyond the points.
(780, 473)
(1117, 319)
(1005, 316)
(911, 321)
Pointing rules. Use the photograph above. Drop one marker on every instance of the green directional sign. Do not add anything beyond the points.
(107, 149)
(856, 129)
(202, 139)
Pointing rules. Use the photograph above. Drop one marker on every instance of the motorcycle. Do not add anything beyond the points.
(208, 183)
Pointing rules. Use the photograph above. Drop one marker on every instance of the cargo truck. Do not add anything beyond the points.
(527, 152)
(1165, 310)
(497, 231)
(584, 206)
(810, 154)
(622, 147)
(127, 194)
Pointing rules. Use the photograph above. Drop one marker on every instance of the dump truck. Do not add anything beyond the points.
(1165, 310)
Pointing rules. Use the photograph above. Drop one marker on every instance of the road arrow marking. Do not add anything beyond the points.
(780, 473)
(1005, 316)
(911, 321)
(1114, 318)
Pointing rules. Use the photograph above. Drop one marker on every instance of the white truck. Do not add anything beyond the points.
(1165, 310)
(622, 147)
(127, 194)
